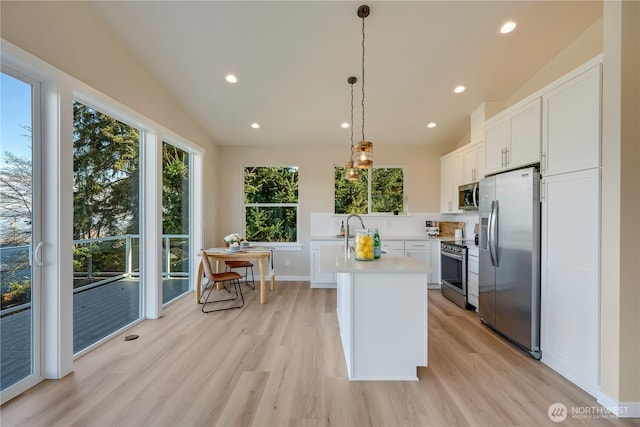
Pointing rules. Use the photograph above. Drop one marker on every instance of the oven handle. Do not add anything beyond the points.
(449, 255)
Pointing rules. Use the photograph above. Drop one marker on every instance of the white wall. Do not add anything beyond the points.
(316, 185)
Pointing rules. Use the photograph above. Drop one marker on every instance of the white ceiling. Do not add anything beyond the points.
(292, 60)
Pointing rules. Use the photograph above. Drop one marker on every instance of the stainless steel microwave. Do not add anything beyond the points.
(468, 197)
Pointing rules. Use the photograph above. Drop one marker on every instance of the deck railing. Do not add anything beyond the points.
(107, 259)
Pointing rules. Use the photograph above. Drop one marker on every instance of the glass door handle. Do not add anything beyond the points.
(37, 254)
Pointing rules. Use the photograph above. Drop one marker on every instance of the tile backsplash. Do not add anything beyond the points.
(411, 225)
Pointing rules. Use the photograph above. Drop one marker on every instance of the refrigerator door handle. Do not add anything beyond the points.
(490, 234)
(493, 233)
(494, 236)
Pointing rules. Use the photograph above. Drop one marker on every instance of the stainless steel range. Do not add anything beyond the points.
(453, 269)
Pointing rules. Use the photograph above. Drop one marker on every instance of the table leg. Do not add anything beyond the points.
(273, 280)
(263, 296)
(199, 281)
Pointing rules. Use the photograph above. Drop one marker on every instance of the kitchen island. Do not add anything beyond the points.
(382, 314)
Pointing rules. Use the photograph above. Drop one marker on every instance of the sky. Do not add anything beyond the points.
(15, 111)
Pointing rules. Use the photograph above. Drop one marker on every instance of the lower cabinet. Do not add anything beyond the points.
(473, 278)
(320, 279)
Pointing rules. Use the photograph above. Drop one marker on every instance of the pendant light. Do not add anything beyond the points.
(363, 151)
(352, 172)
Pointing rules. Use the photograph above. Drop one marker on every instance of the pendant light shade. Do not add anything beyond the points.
(363, 154)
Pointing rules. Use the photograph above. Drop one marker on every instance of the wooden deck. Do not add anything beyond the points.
(97, 313)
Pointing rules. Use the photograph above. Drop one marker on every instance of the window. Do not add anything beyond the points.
(175, 222)
(271, 203)
(106, 226)
(378, 190)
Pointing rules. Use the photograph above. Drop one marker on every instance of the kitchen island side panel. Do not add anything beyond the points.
(389, 326)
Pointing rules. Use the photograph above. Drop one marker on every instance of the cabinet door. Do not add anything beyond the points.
(525, 135)
(481, 159)
(316, 275)
(496, 139)
(470, 164)
(572, 125)
(420, 255)
(446, 183)
(570, 276)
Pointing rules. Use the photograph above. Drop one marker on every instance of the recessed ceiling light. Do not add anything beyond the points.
(431, 125)
(507, 27)
(231, 78)
(345, 125)
(255, 125)
(459, 89)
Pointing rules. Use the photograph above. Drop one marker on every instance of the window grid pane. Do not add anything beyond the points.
(271, 203)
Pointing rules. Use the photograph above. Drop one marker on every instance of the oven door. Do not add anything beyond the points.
(453, 268)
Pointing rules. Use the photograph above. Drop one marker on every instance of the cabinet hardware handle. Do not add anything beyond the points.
(506, 156)
(543, 161)
(542, 191)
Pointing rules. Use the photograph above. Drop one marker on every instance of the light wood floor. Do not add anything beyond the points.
(281, 364)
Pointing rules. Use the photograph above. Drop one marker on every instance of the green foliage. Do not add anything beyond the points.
(175, 190)
(350, 196)
(106, 175)
(263, 188)
(274, 184)
(271, 224)
(387, 191)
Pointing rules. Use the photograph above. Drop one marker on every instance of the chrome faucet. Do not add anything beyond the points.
(346, 236)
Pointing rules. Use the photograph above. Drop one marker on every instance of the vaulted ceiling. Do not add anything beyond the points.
(292, 61)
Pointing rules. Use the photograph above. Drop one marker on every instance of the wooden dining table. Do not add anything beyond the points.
(259, 254)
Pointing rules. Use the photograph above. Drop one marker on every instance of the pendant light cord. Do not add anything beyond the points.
(351, 127)
(363, 79)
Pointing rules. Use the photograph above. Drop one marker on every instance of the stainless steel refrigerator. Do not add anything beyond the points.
(509, 267)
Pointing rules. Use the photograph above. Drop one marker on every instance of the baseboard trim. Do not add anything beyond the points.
(619, 409)
(292, 278)
(323, 286)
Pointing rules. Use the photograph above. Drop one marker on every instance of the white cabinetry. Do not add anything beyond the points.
(420, 251)
(472, 277)
(571, 126)
(512, 139)
(321, 279)
(451, 177)
(569, 276)
(473, 163)
(394, 246)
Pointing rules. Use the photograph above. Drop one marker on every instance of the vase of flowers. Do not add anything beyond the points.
(233, 240)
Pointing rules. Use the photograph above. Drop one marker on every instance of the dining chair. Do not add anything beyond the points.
(232, 264)
(213, 279)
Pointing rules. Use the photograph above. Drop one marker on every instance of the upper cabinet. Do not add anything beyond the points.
(473, 163)
(571, 133)
(513, 138)
(451, 176)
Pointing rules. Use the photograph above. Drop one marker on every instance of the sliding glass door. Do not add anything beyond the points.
(176, 248)
(107, 295)
(20, 244)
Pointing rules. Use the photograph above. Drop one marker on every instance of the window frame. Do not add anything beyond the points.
(296, 245)
(369, 172)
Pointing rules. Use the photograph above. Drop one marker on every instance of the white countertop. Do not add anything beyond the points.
(382, 237)
(333, 260)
